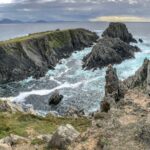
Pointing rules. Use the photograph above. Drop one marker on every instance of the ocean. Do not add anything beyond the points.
(83, 89)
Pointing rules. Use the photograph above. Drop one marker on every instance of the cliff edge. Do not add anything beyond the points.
(34, 54)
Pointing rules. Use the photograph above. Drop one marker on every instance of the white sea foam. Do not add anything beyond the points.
(21, 97)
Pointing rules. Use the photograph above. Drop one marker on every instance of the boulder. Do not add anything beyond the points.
(108, 51)
(64, 136)
(55, 98)
(118, 30)
(140, 40)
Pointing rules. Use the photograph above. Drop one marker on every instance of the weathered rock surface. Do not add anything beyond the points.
(55, 98)
(114, 90)
(141, 78)
(13, 140)
(33, 55)
(108, 51)
(63, 137)
(5, 147)
(8, 106)
(74, 112)
(118, 30)
(143, 134)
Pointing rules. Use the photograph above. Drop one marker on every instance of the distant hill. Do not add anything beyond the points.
(9, 21)
(41, 21)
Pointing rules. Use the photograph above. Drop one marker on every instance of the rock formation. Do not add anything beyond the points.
(140, 40)
(141, 79)
(119, 30)
(108, 51)
(113, 89)
(33, 55)
(55, 98)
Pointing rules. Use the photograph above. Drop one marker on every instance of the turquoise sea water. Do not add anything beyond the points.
(81, 88)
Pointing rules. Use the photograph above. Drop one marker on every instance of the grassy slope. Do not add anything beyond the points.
(19, 124)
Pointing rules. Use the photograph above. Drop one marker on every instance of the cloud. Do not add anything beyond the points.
(75, 10)
(121, 19)
(5, 1)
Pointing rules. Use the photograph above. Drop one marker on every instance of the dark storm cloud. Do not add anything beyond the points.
(72, 10)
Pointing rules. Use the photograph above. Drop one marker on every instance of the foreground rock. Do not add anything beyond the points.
(8, 106)
(55, 98)
(5, 147)
(123, 124)
(64, 136)
(33, 55)
(14, 140)
(119, 30)
(141, 79)
(108, 51)
(74, 112)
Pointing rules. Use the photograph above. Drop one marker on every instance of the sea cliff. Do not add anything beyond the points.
(34, 54)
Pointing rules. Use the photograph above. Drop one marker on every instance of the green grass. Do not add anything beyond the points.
(19, 124)
(61, 35)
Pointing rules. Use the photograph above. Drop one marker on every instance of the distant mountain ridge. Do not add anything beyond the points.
(10, 21)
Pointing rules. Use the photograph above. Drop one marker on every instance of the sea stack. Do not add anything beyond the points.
(119, 30)
(112, 48)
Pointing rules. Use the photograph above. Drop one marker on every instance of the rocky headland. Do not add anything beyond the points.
(35, 54)
(112, 48)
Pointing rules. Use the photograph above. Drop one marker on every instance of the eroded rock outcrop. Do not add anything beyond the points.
(119, 30)
(114, 90)
(108, 51)
(141, 79)
(33, 55)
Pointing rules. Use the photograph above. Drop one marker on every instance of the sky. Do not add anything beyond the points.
(76, 10)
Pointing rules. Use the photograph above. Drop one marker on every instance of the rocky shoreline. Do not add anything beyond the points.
(121, 123)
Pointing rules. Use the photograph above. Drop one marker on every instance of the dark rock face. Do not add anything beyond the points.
(140, 40)
(108, 51)
(119, 30)
(112, 83)
(113, 90)
(35, 54)
(141, 78)
(55, 98)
